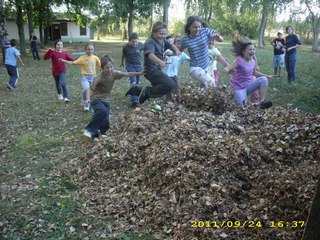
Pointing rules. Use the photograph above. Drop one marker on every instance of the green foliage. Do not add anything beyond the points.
(177, 28)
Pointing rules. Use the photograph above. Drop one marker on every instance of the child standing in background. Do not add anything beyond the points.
(5, 44)
(89, 64)
(58, 68)
(278, 54)
(131, 54)
(33, 46)
(12, 54)
(215, 56)
(99, 94)
(154, 62)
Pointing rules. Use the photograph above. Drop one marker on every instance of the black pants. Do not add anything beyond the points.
(161, 84)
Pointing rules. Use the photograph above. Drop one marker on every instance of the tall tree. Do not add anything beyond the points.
(29, 15)
(166, 5)
(20, 25)
(129, 9)
(313, 7)
(3, 28)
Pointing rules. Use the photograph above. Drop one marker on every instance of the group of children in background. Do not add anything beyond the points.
(162, 58)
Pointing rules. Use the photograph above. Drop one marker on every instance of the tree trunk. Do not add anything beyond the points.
(262, 28)
(315, 40)
(20, 26)
(41, 35)
(130, 23)
(3, 28)
(124, 33)
(30, 17)
(166, 5)
(46, 36)
(151, 21)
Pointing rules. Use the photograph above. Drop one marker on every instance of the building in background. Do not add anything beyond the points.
(66, 30)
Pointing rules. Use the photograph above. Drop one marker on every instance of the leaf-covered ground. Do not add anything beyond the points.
(161, 167)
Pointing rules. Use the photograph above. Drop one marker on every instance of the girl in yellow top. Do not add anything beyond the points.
(89, 64)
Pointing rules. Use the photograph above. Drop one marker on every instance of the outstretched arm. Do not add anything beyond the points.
(20, 60)
(66, 61)
(222, 60)
(217, 37)
(130, 74)
(156, 60)
(231, 68)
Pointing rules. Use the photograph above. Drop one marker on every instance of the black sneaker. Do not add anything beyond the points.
(265, 104)
(143, 95)
(135, 104)
(133, 91)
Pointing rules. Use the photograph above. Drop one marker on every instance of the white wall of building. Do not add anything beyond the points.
(13, 31)
(73, 32)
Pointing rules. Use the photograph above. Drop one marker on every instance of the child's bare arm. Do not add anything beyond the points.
(20, 60)
(65, 61)
(231, 68)
(260, 74)
(217, 37)
(176, 50)
(122, 60)
(222, 60)
(156, 60)
(130, 74)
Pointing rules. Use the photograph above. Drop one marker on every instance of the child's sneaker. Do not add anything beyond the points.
(10, 87)
(66, 100)
(86, 106)
(143, 95)
(265, 104)
(87, 133)
(60, 97)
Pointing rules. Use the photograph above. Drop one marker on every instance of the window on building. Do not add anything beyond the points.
(83, 31)
(64, 29)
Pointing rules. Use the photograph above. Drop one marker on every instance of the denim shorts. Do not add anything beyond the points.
(278, 61)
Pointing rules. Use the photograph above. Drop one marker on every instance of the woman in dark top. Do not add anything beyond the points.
(291, 43)
(34, 47)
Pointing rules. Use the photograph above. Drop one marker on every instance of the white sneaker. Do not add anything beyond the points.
(60, 97)
(86, 106)
(66, 100)
(87, 133)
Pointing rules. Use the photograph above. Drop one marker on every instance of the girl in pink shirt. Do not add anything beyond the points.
(58, 68)
(242, 69)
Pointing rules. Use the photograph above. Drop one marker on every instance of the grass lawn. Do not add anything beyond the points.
(39, 135)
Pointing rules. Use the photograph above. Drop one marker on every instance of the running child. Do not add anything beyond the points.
(58, 68)
(154, 62)
(242, 69)
(173, 63)
(215, 57)
(89, 64)
(12, 54)
(131, 55)
(99, 95)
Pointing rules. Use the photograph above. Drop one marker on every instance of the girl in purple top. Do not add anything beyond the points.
(242, 69)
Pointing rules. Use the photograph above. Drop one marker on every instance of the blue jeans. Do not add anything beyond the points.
(14, 75)
(100, 119)
(134, 79)
(35, 53)
(291, 60)
(61, 84)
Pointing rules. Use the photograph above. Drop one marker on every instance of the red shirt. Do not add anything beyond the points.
(57, 66)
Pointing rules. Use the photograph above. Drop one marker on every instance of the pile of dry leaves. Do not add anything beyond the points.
(164, 168)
